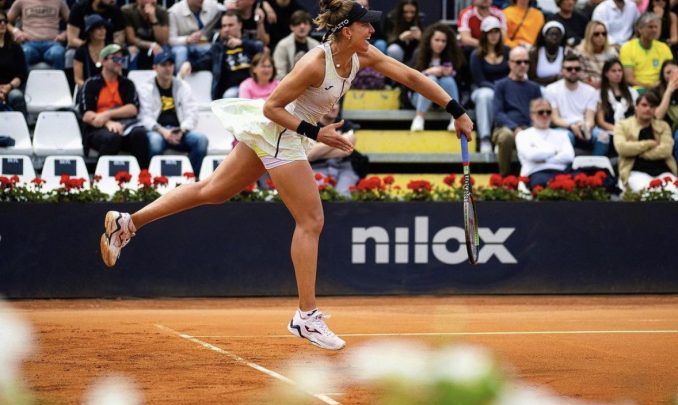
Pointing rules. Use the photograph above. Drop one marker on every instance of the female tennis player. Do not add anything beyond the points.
(275, 136)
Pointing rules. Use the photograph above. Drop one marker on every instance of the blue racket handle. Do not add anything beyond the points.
(464, 148)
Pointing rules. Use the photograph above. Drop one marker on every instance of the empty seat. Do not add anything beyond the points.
(56, 166)
(57, 133)
(209, 165)
(220, 140)
(140, 77)
(13, 124)
(17, 165)
(108, 166)
(201, 85)
(601, 162)
(47, 90)
(171, 166)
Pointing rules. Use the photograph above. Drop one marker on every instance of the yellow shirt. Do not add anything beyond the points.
(528, 31)
(646, 63)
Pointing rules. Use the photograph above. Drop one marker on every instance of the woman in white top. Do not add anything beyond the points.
(546, 57)
(277, 141)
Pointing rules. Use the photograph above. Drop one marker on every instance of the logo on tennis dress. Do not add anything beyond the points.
(493, 244)
(329, 87)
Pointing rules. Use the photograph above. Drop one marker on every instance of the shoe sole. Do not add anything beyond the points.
(296, 332)
(109, 223)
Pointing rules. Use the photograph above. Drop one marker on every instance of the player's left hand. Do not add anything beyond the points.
(330, 137)
(464, 125)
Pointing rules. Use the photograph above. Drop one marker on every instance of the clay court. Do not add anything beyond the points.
(217, 351)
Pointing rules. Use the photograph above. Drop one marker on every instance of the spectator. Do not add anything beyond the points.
(39, 35)
(13, 70)
(489, 63)
(619, 16)
(253, 19)
(295, 45)
(377, 38)
(109, 110)
(642, 57)
(261, 82)
(573, 22)
(615, 103)
(645, 146)
(86, 61)
(75, 30)
(403, 30)
(668, 21)
(188, 35)
(523, 24)
(229, 58)
(593, 52)
(586, 7)
(278, 15)
(439, 58)
(666, 92)
(512, 97)
(147, 29)
(574, 105)
(332, 162)
(546, 57)
(169, 113)
(544, 152)
(471, 17)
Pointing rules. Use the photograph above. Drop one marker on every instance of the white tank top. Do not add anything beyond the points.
(546, 68)
(318, 101)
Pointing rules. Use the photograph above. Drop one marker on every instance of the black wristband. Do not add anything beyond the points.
(454, 108)
(308, 130)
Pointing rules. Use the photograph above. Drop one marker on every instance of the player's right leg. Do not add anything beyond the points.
(239, 169)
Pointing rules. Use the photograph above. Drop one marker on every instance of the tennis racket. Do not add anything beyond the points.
(470, 213)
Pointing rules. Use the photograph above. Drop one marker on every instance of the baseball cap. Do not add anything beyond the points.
(109, 50)
(489, 23)
(163, 57)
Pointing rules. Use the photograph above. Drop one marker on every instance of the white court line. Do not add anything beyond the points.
(323, 397)
(498, 333)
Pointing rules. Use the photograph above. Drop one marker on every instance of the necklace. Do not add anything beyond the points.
(551, 57)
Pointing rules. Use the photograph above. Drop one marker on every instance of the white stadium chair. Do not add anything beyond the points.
(17, 165)
(57, 133)
(56, 166)
(108, 166)
(601, 162)
(171, 166)
(47, 90)
(220, 140)
(209, 165)
(140, 77)
(201, 85)
(13, 124)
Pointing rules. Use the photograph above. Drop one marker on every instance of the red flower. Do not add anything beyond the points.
(5, 181)
(145, 181)
(144, 173)
(595, 181)
(123, 177)
(352, 188)
(581, 179)
(75, 183)
(510, 182)
(655, 183)
(331, 181)
(601, 174)
(668, 179)
(495, 180)
(396, 188)
(250, 188)
(96, 178)
(419, 185)
(389, 180)
(675, 183)
(449, 179)
(38, 181)
(269, 183)
(537, 189)
(160, 180)
(524, 179)
(64, 179)
(14, 179)
(318, 176)
(461, 180)
(189, 175)
(322, 187)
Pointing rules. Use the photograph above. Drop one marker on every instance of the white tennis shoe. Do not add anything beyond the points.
(315, 330)
(119, 231)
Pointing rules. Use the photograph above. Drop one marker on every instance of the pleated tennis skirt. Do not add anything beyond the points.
(245, 119)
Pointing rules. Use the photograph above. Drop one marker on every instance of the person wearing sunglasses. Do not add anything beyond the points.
(544, 152)
(574, 104)
(593, 51)
(109, 109)
(619, 17)
(642, 57)
(13, 70)
(512, 97)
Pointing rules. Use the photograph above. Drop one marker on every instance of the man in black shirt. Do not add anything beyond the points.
(75, 30)
(109, 109)
(574, 23)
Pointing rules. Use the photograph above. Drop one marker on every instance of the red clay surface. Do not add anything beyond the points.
(633, 355)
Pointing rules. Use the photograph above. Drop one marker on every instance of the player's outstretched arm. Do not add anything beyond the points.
(416, 81)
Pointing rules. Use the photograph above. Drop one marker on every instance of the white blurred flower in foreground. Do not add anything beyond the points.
(527, 395)
(16, 344)
(389, 359)
(463, 364)
(113, 391)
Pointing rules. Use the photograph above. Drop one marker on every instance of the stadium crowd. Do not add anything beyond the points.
(576, 73)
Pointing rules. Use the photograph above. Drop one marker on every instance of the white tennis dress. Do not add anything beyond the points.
(246, 121)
